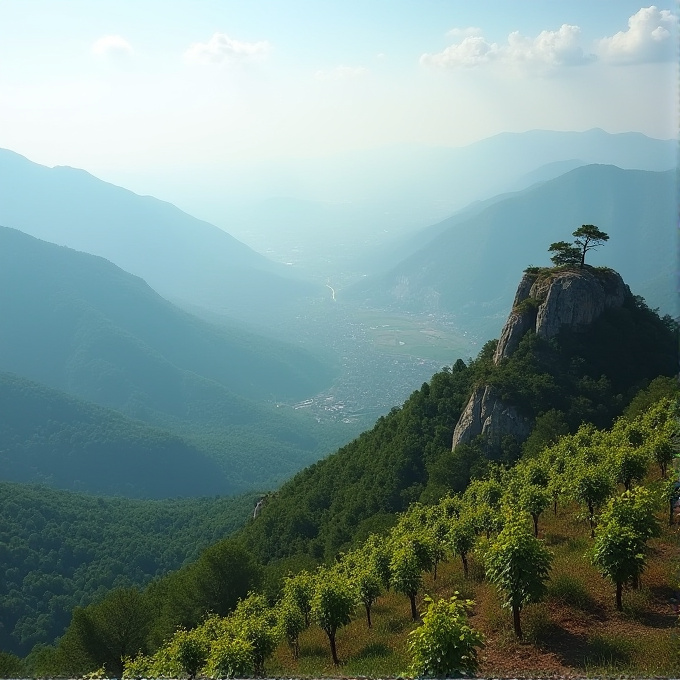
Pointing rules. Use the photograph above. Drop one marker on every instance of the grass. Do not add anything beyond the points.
(576, 630)
(570, 590)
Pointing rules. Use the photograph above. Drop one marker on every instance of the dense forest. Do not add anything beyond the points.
(62, 550)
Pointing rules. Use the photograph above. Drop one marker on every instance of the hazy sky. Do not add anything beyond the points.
(127, 89)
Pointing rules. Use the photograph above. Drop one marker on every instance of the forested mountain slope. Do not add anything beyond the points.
(469, 264)
(49, 437)
(60, 550)
(180, 256)
(557, 384)
(80, 324)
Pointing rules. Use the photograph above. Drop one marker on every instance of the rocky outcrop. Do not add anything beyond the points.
(549, 300)
(485, 414)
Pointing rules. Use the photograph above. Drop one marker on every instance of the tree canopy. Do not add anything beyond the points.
(586, 237)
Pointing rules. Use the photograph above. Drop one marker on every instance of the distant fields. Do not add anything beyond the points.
(417, 336)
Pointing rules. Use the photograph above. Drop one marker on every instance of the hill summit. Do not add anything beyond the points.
(551, 303)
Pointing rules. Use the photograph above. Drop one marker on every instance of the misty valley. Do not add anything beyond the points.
(316, 437)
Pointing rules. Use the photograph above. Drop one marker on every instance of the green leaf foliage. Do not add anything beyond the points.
(445, 645)
(518, 564)
(333, 604)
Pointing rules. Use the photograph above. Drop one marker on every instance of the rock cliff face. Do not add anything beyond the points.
(555, 300)
(487, 415)
(546, 301)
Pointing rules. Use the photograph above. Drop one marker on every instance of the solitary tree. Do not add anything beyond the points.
(407, 574)
(291, 622)
(462, 536)
(588, 237)
(300, 590)
(619, 553)
(534, 499)
(590, 485)
(564, 253)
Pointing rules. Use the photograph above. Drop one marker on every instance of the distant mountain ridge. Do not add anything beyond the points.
(180, 256)
(78, 323)
(467, 265)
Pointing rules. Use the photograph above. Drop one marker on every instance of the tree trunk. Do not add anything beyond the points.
(434, 573)
(555, 507)
(670, 512)
(535, 518)
(414, 611)
(368, 614)
(619, 590)
(463, 556)
(515, 622)
(334, 652)
(591, 515)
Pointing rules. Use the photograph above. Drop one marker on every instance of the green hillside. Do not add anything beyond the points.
(467, 264)
(557, 384)
(60, 550)
(64, 442)
(77, 323)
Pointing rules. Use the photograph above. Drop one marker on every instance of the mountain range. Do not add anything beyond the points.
(467, 265)
(181, 257)
(79, 324)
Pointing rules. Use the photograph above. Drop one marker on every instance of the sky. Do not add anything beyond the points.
(153, 94)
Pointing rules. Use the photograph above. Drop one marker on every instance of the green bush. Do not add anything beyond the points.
(11, 666)
(445, 644)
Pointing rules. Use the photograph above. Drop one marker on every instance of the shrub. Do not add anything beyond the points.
(445, 644)
(230, 658)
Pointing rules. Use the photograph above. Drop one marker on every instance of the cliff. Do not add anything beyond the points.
(547, 301)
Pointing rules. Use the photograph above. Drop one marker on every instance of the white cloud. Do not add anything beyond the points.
(549, 50)
(472, 51)
(112, 46)
(649, 38)
(221, 49)
(342, 73)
